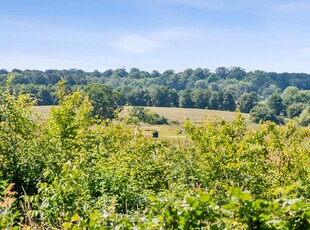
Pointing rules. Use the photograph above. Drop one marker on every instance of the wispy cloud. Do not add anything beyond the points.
(143, 43)
(48, 32)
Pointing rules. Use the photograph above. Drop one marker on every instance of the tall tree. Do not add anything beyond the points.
(159, 96)
(236, 73)
(104, 100)
(185, 99)
(215, 102)
(221, 72)
(275, 102)
(173, 98)
(228, 101)
(247, 102)
(201, 98)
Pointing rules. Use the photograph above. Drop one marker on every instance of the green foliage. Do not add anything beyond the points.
(304, 118)
(261, 113)
(289, 95)
(146, 116)
(228, 102)
(201, 98)
(162, 96)
(275, 103)
(19, 164)
(185, 100)
(247, 102)
(295, 109)
(73, 173)
(105, 101)
(191, 88)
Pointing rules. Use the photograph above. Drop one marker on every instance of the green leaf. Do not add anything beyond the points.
(153, 199)
(75, 217)
(66, 225)
(204, 198)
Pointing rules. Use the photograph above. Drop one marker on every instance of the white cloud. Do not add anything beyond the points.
(139, 44)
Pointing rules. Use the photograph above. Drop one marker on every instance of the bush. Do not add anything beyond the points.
(295, 109)
(304, 118)
(174, 122)
(70, 173)
(263, 113)
(147, 116)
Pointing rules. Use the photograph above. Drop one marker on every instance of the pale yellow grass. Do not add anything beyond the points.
(44, 110)
(194, 115)
(174, 114)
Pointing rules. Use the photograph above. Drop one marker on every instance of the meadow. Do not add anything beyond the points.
(175, 131)
(176, 116)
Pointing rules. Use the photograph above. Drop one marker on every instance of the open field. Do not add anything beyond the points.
(174, 114)
(194, 115)
(197, 116)
(173, 132)
(43, 110)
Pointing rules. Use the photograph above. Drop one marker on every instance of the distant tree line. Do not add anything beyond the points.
(223, 89)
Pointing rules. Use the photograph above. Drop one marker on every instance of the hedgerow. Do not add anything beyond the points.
(74, 172)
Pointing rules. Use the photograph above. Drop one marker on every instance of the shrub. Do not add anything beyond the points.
(147, 116)
(304, 118)
(295, 109)
(73, 174)
(263, 113)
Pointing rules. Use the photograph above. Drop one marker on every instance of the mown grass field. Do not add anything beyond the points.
(43, 110)
(174, 114)
(179, 115)
(176, 131)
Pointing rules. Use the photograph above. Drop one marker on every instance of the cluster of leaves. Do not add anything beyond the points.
(201, 210)
(140, 114)
(74, 172)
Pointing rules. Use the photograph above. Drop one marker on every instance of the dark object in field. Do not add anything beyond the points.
(155, 134)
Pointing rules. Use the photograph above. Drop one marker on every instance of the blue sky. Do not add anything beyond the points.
(271, 35)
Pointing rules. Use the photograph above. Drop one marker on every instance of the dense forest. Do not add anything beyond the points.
(75, 171)
(144, 88)
(267, 95)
